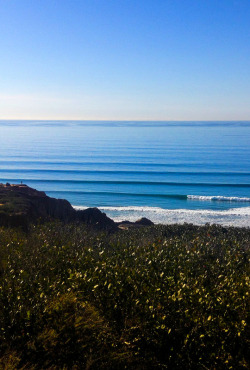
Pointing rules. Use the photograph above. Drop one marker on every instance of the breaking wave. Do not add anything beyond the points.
(232, 217)
(218, 198)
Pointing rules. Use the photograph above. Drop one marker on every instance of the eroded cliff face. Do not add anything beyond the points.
(21, 205)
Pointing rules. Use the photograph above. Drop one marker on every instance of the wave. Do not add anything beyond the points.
(207, 198)
(232, 217)
(120, 194)
(128, 172)
(158, 210)
(109, 164)
(171, 196)
(129, 182)
(218, 198)
(94, 163)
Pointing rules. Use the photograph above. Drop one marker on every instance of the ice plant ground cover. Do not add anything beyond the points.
(171, 297)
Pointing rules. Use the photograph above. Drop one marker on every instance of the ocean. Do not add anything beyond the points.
(169, 172)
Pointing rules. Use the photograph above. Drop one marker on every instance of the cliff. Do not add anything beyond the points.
(21, 205)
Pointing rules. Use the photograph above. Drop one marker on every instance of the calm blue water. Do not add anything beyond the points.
(168, 171)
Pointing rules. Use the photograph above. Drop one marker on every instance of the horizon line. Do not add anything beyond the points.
(123, 120)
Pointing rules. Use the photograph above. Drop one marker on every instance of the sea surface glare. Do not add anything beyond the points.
(170, 172)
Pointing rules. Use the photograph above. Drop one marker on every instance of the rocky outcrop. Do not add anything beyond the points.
(139, 223)
(144, 222)
(21, 205)
(94, 217)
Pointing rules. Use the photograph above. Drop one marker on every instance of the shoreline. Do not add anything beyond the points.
(19, 201)
(234, 217)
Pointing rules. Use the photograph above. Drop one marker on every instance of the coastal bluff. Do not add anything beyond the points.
(21, 205)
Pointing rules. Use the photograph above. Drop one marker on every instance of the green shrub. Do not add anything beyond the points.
(160, 297)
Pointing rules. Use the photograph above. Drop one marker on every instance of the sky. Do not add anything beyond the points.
(125, 59)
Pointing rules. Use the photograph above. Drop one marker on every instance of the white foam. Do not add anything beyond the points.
(126, 208)
(231, 217)
(218, 198)
(79, 208)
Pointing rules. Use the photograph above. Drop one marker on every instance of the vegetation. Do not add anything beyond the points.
(163, 297)
(9, 205)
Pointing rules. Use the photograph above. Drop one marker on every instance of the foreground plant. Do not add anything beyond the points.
(159, 297)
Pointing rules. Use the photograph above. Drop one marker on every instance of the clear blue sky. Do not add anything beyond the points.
(125, 59)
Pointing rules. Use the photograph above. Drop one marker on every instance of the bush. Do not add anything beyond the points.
(159, 297)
